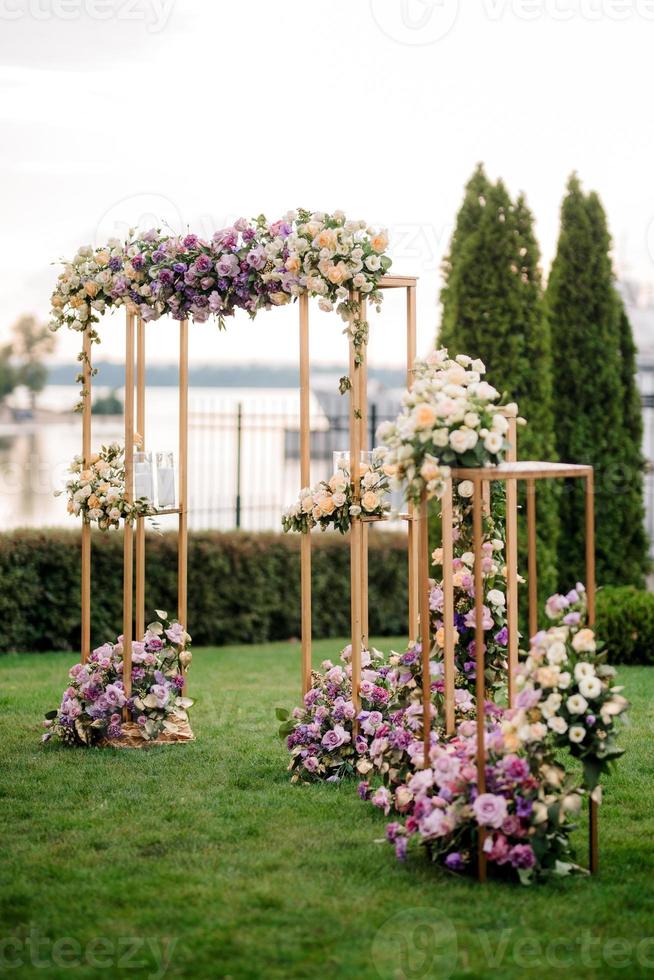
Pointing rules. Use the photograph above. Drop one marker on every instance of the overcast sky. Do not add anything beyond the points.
(191, 112)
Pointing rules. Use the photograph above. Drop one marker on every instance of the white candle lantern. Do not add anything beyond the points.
(143, 477)
(165, 480)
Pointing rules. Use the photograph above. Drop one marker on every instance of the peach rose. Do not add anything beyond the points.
(379, 242)
(93, 501)
(429, 471)
(102, 258)
(326, 504)
(293, 264)
(327, 238)
(424, 416)
(370, 501)
(337, 273)
(57, 301)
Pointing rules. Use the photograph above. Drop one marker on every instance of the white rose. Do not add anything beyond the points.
(576, 733)
(564, 680)
(466, 489)
(558, 725)
(496, 598)
(471, 419)
(576, 704)
(499, 424)
(590, 687)
(557, 653)
(493, 442)
(373, 262)
(440, 437)
(584, 641)
(459, 440)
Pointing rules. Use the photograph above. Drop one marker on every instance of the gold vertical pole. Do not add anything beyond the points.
(140, 522)
(593, 810)
(512, 562)
(590, 547)
(448, 604)
(86, 527)
(365, 528)
(425, 633)
(480, 694)
(356, 529)
(532, 557)
(413, 541)
(182, 552)
(305, 481)
(128, 541)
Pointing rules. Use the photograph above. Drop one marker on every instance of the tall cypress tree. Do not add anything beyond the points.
(596, 412)
(493, 309)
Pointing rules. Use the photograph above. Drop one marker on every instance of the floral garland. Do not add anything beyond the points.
(251, 265)
(97, 490)
(331, 503)
(494, 607)
(92, 705)
(451, 417)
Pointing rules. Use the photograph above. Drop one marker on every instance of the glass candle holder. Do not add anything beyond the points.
(165, 480)
(341, 461)
(143, 477)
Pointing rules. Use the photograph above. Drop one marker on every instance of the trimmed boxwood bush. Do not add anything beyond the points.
(243, 588)
(625, 622)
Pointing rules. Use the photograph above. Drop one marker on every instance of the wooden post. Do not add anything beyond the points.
(356, 529)
(140, 521)
(182, 553)
(413, 542)
(305, 481)
(512, 562)
(365, 528)
(128, 542)
(480, 693)
(425, 632)
(593, 809)
(86, 527)
(532, 557)
(448, 605)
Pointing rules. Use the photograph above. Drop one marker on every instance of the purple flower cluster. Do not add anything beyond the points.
(95, 701)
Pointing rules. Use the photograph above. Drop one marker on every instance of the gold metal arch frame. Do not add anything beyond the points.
(510, 472)
(134, 536)
(358, 439)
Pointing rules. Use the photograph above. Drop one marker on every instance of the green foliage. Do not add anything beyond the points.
(108, 405)
(8, 377)
(33, 342)
(597, 412)
(493, 309)
(625, 622)
(242, 587)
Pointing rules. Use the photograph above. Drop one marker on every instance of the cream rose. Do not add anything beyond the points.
(370, 501)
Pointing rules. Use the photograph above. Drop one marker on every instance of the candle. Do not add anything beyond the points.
(165, 479)
(143, 479)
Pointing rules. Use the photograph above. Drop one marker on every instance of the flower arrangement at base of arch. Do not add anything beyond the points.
(92, 706)
(320, 734)
(96, 491)
(331, 502)
(450, 417)
(527, 809)
(251, 265)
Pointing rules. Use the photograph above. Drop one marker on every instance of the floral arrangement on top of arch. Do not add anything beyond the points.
(567, 696)
(251, 265)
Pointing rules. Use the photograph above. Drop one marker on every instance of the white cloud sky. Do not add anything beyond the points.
(195, 112)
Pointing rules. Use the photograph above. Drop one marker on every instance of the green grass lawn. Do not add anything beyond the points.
(202, 861)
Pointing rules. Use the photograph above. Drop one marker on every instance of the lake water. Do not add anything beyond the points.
(34, 457)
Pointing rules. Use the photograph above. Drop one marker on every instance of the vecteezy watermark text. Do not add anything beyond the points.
(42, 952)
(153, 13)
